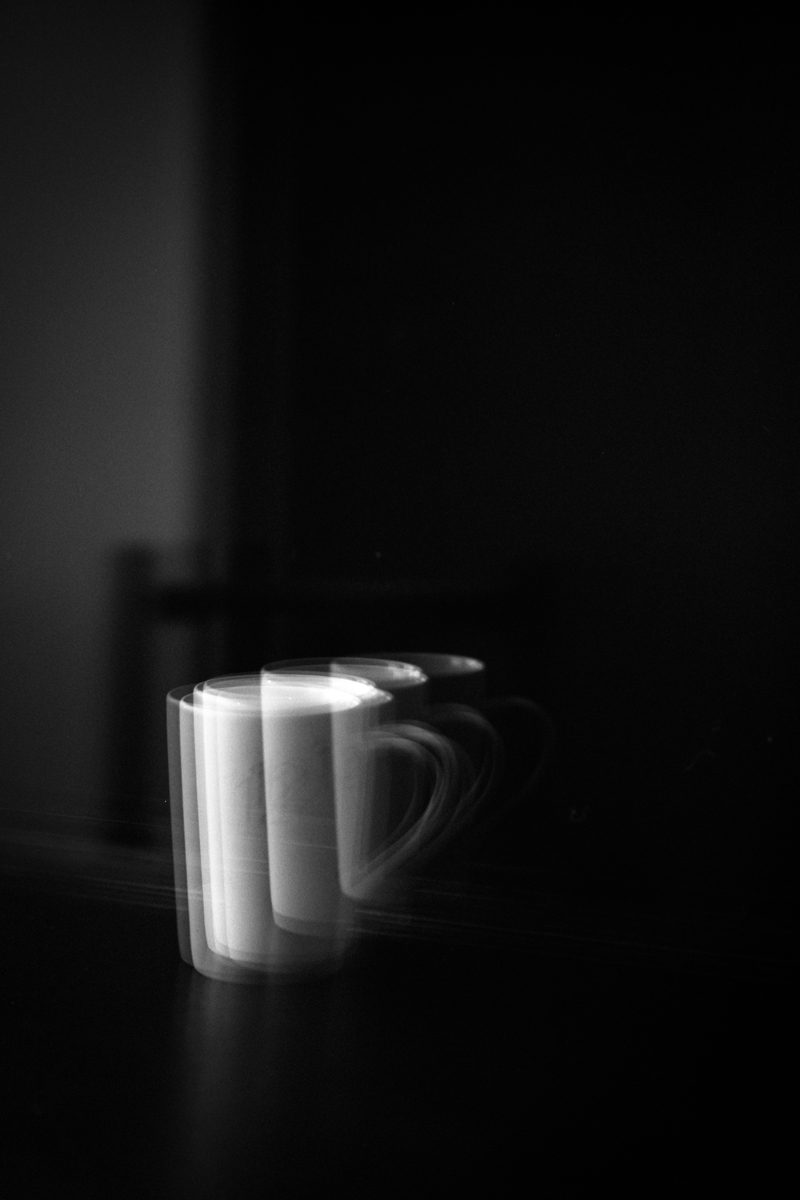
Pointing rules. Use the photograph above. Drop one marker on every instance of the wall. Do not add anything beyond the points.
(100, 237)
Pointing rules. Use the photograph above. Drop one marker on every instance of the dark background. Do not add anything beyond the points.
(517, 367)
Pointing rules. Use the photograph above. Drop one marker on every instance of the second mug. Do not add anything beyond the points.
(476, 746)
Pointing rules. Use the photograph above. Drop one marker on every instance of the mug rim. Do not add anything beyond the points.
(411, 674)
(364, 690)
(427, 660)
(251, 702)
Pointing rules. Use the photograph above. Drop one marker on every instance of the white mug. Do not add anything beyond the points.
(410, 687)
(279, 953)
(328, 791)
(277, 789)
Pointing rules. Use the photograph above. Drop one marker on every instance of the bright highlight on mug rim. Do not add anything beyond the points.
(295, 694)
(433, 663)
(380, 671)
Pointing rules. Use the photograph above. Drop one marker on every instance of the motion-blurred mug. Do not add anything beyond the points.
(410, 687)
(327, 780)
(457, 683)
(277, 801)
(279, 953)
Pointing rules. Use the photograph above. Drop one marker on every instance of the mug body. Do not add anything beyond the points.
(226, 869)
(324, 797)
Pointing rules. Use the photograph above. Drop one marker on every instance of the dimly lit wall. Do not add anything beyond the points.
(542, 329)
(101, 308)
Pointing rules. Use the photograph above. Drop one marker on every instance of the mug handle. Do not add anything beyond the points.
(545, 730)
(439, 769)
(490, 755)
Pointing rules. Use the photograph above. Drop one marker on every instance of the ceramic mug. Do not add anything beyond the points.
(277, 789)
(461, 724)
(280, 954)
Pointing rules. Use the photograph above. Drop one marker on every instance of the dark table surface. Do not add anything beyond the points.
(515, 1025)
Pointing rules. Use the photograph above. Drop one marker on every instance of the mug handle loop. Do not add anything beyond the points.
(546, 732)
(489, 754)
(438, 775)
